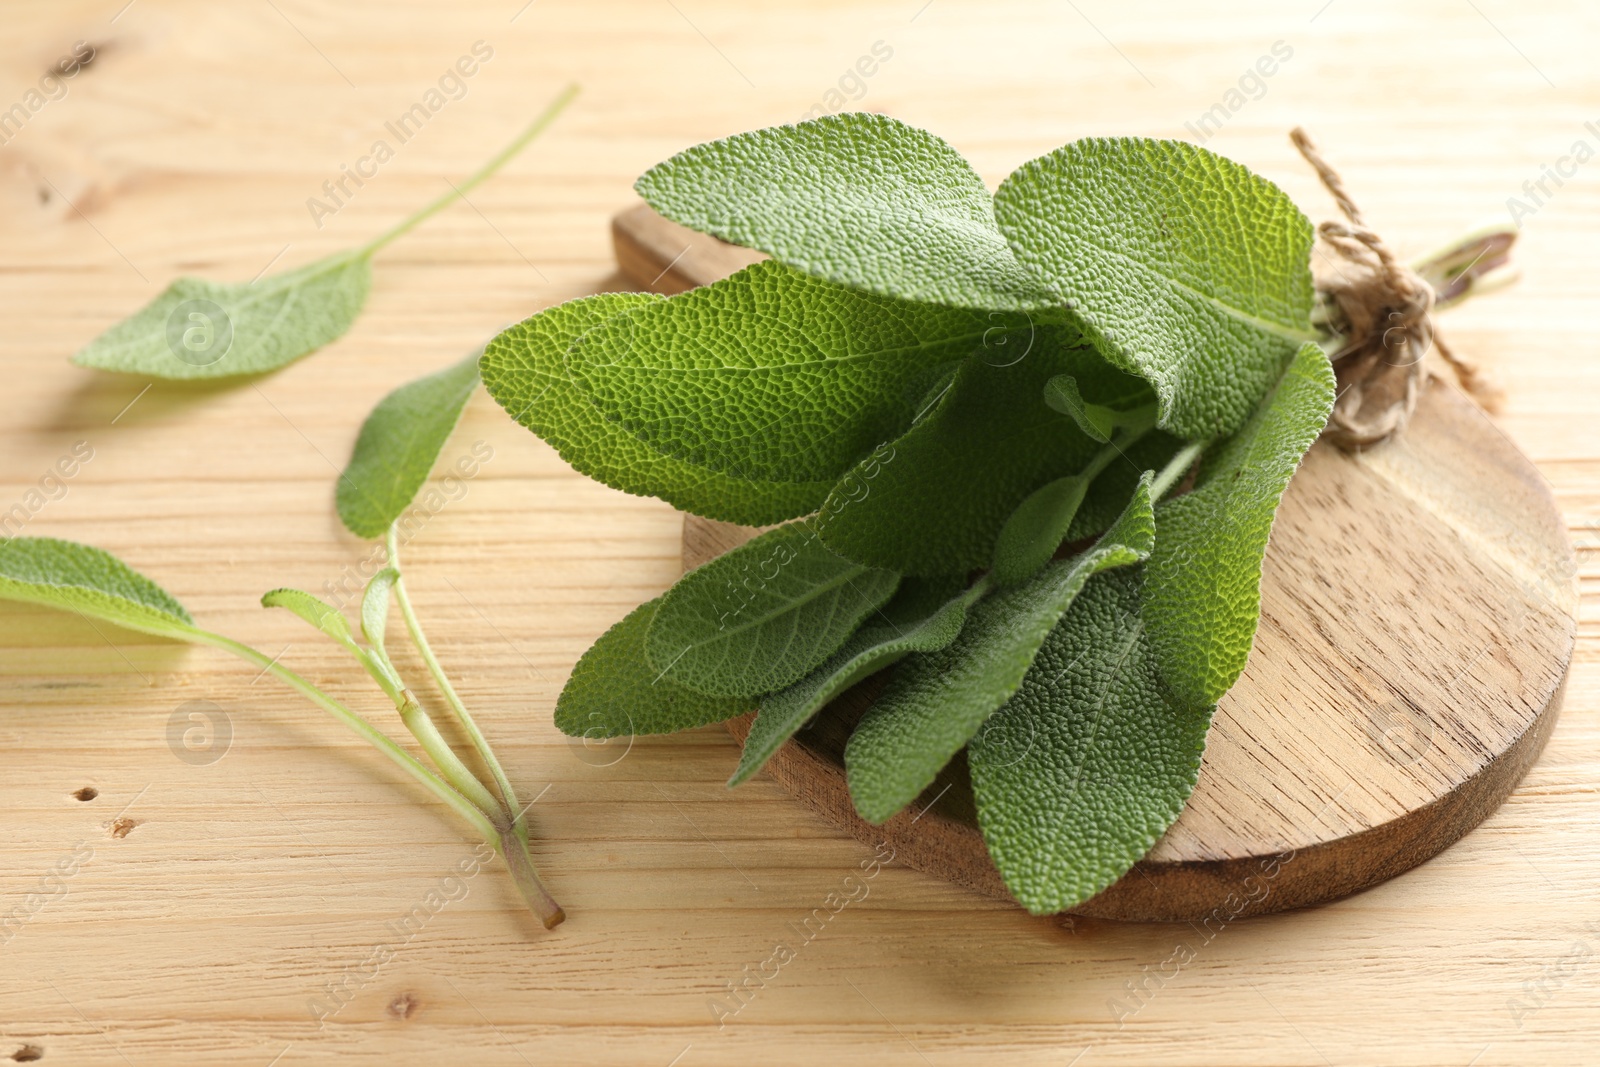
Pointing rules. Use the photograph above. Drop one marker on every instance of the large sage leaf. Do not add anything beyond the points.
(859, 199)
(773, 374)
(763, 616)
(923, 617)
(525, 370)
(398, 445)
(1203, 586)
(935, 702)
(1086, 766)
(1184, 267)
(91, 582)
(615, 692)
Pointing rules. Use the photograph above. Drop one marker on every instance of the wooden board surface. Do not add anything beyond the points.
(211, 902)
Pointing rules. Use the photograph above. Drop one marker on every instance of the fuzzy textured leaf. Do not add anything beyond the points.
(1203, 586)
(773, 374)
(764, 615)
(200, 329)
(525, 370)
(375, 608)
(1184, 267)
(92, 582)
(1083, 770)
(859, 199)
(936, 701)
(1036, 529)
(320, 614)
(924, 616)
(934, 500)
(398, 445)
(615, 692)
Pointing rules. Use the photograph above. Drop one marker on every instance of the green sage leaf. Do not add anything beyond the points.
(398, 445)
(1184, 267)
(375, 608)
(935, 702)
(615, 692)
(859, 199)
(764, 615)
(1086, 766)
(774, 375)
(525, 370)
(92, 582)
(924, 616)
(934, 500)
(199, 329)
(320, 614)
(1203, 586)
(1036, 529)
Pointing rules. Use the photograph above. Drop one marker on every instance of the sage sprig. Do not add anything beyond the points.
(975, 415)
(199, 329)
(398, 445)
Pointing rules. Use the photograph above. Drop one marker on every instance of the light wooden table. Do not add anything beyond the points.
(197, 928)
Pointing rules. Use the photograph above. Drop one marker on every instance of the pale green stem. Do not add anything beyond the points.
(464, 717)
(444, 757)
(538, 126)
(371, 734)
(1175, 469)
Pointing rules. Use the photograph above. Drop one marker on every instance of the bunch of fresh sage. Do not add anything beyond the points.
(1025, 448)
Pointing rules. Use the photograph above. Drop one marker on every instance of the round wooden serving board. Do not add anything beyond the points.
(1418, 618)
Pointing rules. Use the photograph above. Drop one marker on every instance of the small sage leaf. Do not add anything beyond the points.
(615, 692)
(1036, 529)
(763, 616)
(398, 445)
(375, 608)
(199, 329)
(925, 616)
(320, 614)
(87, 580)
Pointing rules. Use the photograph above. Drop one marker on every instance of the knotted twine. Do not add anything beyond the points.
(1383, 308)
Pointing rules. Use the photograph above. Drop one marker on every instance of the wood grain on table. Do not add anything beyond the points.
(209, 904)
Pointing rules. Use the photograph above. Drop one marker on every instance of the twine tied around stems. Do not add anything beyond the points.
(1383, 309)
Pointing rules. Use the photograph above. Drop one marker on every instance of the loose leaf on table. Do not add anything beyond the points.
(1203, 583)
(525, 370)
(1086, 766)
(398, 445)
(615, 692)
(935, 702)
(924, 616)
(89, 581)
(862, 200)
(773, 374)
(1184, 267)
(763, 616)
(199, 329)
(934, 500)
